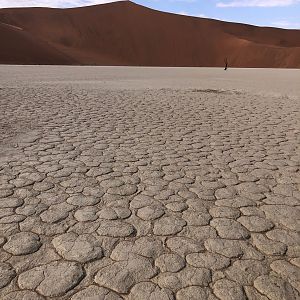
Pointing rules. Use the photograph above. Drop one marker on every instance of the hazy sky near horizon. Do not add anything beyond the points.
(275, 13)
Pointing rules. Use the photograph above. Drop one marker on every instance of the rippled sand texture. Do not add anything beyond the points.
(132, 183)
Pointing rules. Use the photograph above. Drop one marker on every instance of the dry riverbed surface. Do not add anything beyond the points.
(149, 183)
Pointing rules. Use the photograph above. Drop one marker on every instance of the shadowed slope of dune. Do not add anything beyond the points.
(21, 47)
(124, 33)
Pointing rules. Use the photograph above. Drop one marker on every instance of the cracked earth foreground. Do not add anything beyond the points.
(119, 190)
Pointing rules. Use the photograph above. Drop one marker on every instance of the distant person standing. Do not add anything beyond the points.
(226, 64)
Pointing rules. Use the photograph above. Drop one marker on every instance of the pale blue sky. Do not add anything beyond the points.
(276, 13)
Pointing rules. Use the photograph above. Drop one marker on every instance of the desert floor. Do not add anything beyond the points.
(149, 183)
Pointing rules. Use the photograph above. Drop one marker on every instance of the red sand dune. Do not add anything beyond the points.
(124, 33)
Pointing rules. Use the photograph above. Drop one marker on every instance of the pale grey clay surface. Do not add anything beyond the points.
(149, 184)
